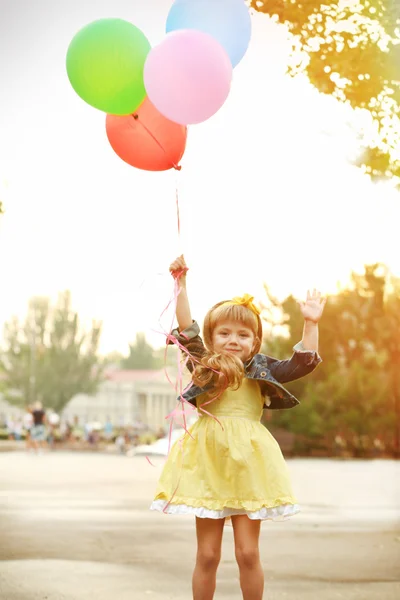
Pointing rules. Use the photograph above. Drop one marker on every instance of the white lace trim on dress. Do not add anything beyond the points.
(276, 513)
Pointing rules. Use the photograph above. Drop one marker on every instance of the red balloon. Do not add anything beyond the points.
(147, 140)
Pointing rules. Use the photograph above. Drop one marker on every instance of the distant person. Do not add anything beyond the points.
(230, 466)
(53, 420)
(27, 420)
(38, 430)
(18, 429)
(108, 430)
(120, 443)
(66, 433)
(87, 431)
(339, 445)
(160, 433)
(10, 426)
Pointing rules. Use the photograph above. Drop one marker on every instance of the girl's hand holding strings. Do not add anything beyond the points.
(178, 269)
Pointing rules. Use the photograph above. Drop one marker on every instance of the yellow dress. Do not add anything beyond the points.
(228, 465)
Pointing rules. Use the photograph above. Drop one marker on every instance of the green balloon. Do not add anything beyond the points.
(105, 63)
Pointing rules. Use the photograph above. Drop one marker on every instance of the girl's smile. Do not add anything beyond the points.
(233, 338)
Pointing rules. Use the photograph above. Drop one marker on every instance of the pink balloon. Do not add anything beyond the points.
(188, 76)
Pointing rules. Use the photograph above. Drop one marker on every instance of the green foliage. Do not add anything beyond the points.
(48, 358)
(143, 356)
(169, 358)
(356, 390)
(113, 359)
(350, 49)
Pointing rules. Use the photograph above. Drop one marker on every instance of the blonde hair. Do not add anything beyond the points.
(225, 370)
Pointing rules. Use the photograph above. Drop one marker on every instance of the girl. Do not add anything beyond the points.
(230, 466)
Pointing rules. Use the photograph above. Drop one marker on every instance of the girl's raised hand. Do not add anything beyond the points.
(178, 268)
(313, 307)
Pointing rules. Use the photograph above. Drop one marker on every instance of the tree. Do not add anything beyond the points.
(381, 294)
(350, 49)
(141, 355)
(170, 359)
(357, 387)
(49, 358)
(113, 359)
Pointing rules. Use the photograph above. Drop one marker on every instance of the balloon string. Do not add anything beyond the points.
(171, 338)
(178, 219)
(177, 212)
(176, 167)
(180, 409)
(136, 117)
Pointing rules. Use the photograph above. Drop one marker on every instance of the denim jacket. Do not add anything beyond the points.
(270, 372)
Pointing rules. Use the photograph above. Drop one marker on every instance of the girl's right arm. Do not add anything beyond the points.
(188, 333)
(178, 271)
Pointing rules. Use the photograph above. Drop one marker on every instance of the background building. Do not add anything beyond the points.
(126, 398)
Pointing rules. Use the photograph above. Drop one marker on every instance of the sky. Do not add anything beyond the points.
(266, 191)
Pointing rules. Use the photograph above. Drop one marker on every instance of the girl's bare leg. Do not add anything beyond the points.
(209, 539)
(246, 535)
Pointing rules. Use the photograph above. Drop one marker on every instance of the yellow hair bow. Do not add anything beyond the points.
(245, 300)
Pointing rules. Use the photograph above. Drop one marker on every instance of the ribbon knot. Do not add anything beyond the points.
(245, 300)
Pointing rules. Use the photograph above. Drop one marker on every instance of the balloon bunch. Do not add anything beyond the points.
(151, 95)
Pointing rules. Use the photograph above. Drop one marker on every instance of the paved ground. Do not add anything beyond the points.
(77, 527)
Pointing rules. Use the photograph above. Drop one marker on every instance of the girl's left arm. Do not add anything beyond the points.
(309, 341)
(306, 356)
(311, 310)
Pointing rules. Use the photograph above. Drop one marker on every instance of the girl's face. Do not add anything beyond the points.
(232, 337)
